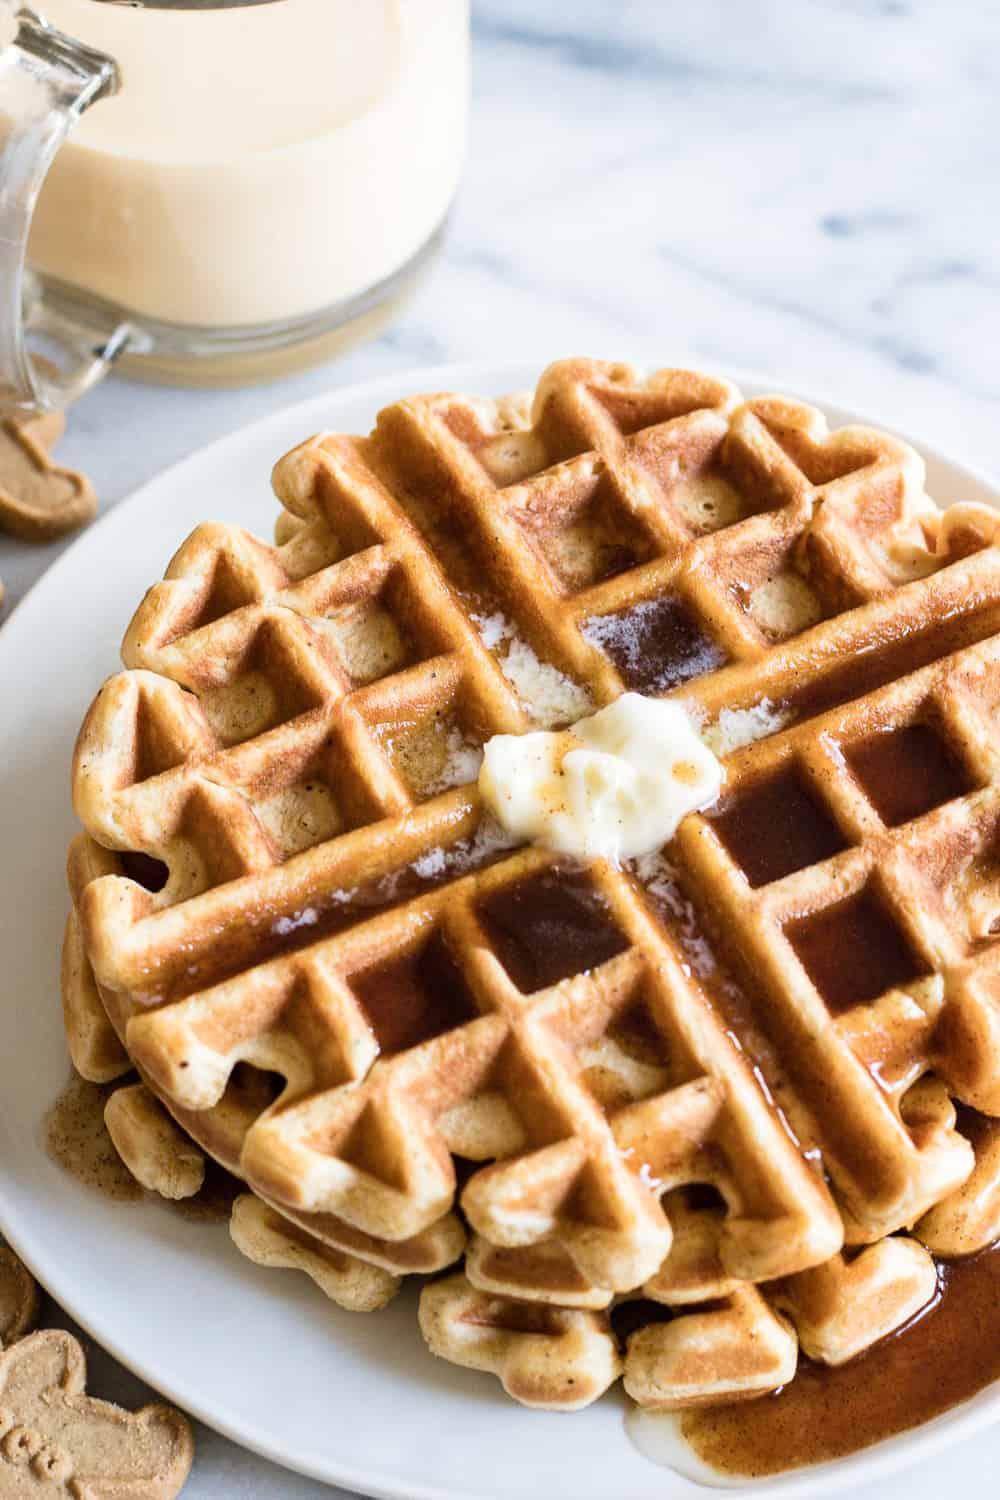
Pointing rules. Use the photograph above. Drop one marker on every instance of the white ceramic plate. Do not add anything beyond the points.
(264, 1357)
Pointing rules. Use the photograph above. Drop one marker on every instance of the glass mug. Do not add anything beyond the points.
(244, 181)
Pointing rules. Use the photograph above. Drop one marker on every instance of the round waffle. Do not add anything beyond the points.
(749, 1059)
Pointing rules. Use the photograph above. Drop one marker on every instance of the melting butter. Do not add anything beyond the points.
(614, 786)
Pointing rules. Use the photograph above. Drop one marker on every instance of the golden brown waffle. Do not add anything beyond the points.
(156, 1151)
(343, 984)
(554, 1357)
(269, 1239)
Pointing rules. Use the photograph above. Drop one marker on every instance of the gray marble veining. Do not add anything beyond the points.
(805, 188)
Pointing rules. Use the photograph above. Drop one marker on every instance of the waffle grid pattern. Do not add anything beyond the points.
(876, 962)
(281, 741)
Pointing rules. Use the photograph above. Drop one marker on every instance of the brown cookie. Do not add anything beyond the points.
(39, 499)
(56, 1441)
(18, 1297)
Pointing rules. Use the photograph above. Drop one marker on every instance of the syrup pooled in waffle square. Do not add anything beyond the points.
(400, 1031)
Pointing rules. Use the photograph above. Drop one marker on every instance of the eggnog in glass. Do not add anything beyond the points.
(251, 181)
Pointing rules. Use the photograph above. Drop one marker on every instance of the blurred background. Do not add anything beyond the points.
(802, 188)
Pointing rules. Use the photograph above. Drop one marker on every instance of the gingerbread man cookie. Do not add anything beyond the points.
(39, 499)
(55, 1440)
(18, 1297)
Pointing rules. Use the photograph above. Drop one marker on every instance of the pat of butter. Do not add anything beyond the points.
(614, 786)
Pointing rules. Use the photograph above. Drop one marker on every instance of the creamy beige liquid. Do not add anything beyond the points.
(259, 164)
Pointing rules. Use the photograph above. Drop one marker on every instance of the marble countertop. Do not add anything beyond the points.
(805, 188)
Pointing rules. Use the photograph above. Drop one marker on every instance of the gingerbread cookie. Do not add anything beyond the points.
(39, 499)
(56, 1441)
(18, 1297)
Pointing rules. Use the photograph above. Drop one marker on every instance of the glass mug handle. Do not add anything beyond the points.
(47, 80)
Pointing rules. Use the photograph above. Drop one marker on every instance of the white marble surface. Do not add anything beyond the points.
(809, 188)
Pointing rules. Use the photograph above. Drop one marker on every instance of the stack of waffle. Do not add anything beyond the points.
(677, 1120)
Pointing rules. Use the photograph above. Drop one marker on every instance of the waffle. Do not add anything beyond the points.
(156, 1152)
(749, 1059)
